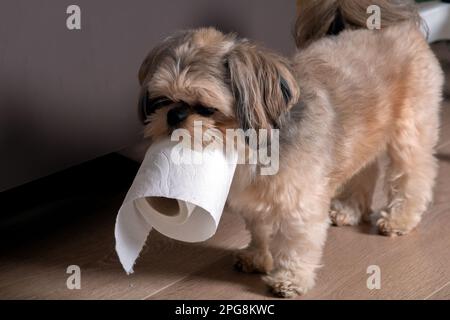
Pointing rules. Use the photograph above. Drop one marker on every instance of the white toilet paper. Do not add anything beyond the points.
(182, 200)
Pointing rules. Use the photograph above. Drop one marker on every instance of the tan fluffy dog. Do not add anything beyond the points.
(340, 103)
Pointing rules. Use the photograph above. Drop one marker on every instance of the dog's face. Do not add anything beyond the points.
(204, 75)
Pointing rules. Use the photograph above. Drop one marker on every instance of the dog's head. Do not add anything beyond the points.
(224, 82)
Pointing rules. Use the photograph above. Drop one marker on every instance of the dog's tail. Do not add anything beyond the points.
(318, 18)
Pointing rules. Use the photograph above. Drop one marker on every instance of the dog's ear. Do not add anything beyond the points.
(262, 84)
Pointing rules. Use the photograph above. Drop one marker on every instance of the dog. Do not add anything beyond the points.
(348, 96)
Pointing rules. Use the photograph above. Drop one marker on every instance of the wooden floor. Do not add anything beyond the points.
(416, 266)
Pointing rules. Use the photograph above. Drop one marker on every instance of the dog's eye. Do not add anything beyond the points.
(204, 111)
(157, 103)
(149, 106)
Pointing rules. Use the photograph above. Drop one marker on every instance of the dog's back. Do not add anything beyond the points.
(338, 52)
(317, 19)
(378, 82)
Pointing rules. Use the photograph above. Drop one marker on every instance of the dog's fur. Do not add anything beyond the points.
(340, 103)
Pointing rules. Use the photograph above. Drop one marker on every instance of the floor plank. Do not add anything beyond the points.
(39, 270)
(441, 293)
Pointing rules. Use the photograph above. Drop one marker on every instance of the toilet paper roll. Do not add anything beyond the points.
(178, 191)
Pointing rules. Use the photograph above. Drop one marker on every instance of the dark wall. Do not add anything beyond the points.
(70, 96)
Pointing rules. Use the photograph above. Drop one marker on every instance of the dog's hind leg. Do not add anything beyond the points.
(354, 201)
(411, 174)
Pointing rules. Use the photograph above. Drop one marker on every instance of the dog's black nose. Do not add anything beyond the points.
(177, 115)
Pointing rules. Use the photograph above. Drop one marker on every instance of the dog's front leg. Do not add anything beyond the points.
(256, 257)
(297, 250)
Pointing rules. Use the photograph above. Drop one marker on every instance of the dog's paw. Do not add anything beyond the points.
(342, 214)
(253, 261)
(391, 228)
(286, 284)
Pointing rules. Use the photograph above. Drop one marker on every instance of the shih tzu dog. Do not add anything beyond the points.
(349, 95)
